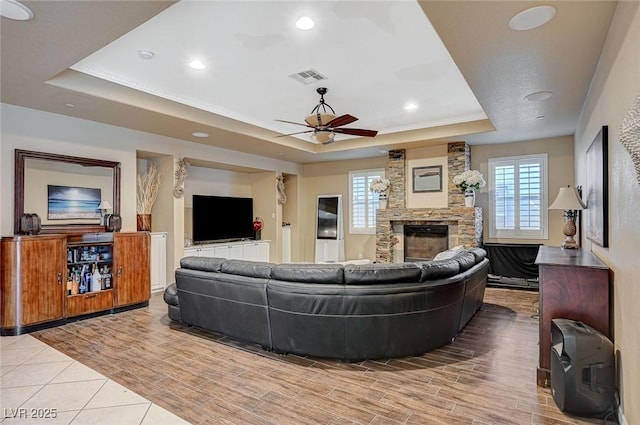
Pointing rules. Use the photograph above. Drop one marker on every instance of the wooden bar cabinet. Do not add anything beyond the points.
(39, 273)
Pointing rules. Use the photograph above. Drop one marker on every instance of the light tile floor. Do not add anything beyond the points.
(40, 385)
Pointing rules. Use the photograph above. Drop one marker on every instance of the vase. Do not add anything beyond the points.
(469, 197)
(144, 222)
(382, 201)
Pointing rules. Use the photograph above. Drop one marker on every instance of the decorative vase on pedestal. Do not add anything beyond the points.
(469, 197)
(144, 222)
(383, 200)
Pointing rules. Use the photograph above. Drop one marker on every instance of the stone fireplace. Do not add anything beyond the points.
(464, 224)
(424, 241)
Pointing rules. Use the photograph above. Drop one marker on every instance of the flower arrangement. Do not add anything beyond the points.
(469, 179)
(379, 185)
(258, 224)
(148, 185)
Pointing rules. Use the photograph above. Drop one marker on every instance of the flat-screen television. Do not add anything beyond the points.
(222, 218)
(327, 226)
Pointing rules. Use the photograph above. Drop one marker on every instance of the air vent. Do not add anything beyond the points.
(309, 76)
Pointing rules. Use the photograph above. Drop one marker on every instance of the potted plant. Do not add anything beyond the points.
(469, 181)
(380, 186)
(148, 184)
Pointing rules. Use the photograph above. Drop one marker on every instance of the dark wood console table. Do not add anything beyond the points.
(574, 284)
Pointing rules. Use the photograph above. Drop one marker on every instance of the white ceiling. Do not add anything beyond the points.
(378, 56)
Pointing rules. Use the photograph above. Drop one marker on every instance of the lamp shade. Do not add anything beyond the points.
(324, 137)
(568, 199)
(319, 119)
(105, 205)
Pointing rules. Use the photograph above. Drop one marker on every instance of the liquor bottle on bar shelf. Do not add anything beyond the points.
(96, 279)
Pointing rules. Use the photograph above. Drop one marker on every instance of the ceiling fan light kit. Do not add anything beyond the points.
(324, 137)
(324, 124)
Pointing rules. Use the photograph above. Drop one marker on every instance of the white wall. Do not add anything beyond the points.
(614, 87)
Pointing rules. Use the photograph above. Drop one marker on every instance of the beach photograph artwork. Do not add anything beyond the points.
(68, 202)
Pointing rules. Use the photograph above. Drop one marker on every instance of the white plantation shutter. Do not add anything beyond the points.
(363, 205)
(518, 197)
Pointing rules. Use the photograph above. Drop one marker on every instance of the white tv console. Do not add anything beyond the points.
(241, 250)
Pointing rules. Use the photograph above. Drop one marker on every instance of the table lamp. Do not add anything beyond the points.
(104, 207)
(569, 201)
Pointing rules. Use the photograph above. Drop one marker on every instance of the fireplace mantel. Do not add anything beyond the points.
(467, 221)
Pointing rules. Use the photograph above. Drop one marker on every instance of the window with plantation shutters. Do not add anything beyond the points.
(363, 203)
(518, 197)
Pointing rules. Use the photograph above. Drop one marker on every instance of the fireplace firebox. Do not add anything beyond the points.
(423, 242)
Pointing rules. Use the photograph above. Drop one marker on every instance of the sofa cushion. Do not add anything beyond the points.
(466, 260)
(207, 264)
(247, 268)
(479, 253)
(309, 273)
(449, 253)
(366, 274)
(439, 269)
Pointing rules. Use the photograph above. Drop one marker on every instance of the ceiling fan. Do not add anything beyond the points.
(324, 124)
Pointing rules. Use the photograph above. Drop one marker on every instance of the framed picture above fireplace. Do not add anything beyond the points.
(427, 179)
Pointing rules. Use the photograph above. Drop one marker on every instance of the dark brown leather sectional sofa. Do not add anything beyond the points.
(351, 312)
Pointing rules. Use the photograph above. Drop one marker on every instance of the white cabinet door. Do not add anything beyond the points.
(263, 251)
(236, 252)
(192, 251)
(329, 250)
(158, 261)
(250, 251)
(230, 251)
(208, 251)
(286, 244)
(256, 251)
(221, 251)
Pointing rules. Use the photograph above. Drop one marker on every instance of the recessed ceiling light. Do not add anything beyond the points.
(200, 134)
(146, 54)
(532, 18)
(540, 117)
(538, 96)
(197, 64)
(70, 105)
(410, 107)
(15, 10)
(305, 23)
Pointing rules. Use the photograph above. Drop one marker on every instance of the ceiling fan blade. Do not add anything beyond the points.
(296, 123)
(342, 120)
(291, 134)
(356, 132)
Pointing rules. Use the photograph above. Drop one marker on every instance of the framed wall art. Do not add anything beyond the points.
(70, 202)
(596, 191)
(427, 179)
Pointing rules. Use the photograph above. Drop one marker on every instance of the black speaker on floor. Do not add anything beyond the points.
(582, 369)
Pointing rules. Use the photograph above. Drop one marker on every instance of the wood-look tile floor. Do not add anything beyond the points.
(486, 377)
